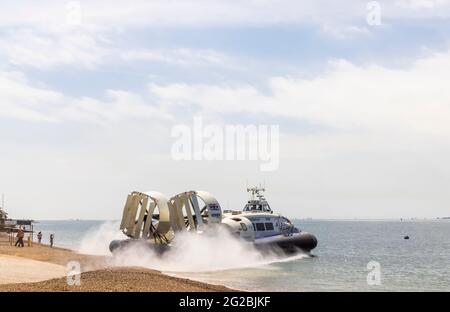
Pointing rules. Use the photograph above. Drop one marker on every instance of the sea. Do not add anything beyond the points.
(352, 255)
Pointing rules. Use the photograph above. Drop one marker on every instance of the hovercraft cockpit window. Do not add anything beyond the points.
(253, 207)
(260, 227)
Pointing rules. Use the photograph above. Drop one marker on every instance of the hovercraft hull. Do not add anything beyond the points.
(124, 244)
(288, 243)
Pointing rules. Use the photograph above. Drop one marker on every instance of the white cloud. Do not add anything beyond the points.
(371, 98)
(102, 14)
(19, 100)
(41, 36)
(22, 100)
(180, 57)
(344, 32)
(48, 50)
(422, 4)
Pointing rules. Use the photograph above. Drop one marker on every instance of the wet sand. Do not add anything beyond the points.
(20, 265)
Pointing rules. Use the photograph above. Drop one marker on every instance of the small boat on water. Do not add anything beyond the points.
(152, 220)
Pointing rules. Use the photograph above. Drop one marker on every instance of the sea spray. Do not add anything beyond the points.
(189, 252)
(96, 241)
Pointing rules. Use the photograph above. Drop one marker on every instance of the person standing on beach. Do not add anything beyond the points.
(39, 236)
(52, 236)
(20, 235)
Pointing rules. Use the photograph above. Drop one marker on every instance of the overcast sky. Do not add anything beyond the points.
(90, 90)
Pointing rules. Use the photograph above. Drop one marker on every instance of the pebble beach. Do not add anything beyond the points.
(41, 268)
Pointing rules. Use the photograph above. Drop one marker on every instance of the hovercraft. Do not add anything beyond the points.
(151, 220)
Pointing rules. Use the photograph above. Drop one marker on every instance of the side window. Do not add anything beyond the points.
(269, 226)
(260, 227)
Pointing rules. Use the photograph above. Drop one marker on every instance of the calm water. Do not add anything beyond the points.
(421, 263)
(68, 233)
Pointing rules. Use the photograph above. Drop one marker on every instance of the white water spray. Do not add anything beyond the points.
(190, 252)
(96, 241)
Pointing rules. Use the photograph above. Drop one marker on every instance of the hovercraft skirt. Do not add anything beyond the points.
(288, 243)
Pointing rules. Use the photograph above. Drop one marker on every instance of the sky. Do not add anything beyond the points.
(91, 90)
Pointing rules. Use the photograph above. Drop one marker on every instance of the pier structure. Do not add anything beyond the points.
(10, 226)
